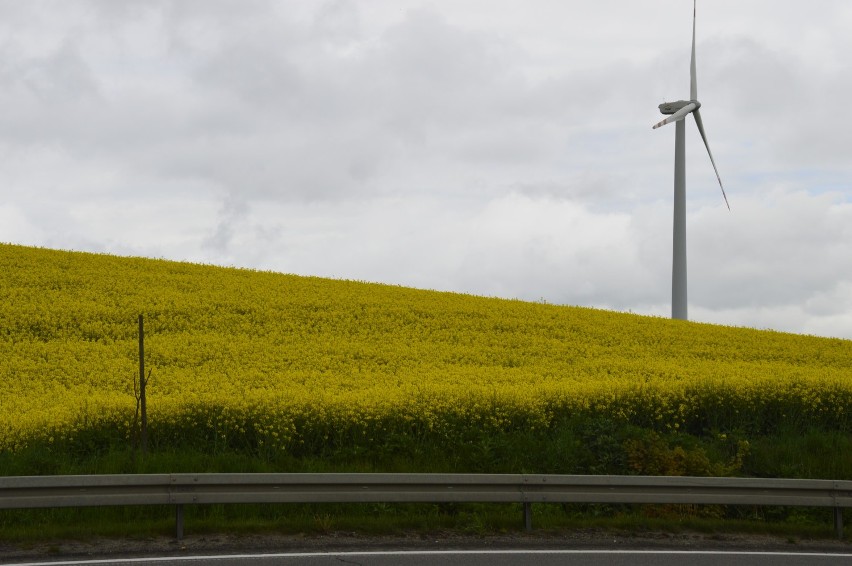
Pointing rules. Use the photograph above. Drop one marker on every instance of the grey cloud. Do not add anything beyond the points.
(338, 22)
(779, 103)
(61, 77)
(234, 211)
(267, 110)
(763, 256)
(334, 121)
(46, 94)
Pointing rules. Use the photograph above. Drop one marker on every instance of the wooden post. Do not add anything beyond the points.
(142, 402)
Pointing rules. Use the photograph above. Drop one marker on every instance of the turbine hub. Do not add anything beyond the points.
(672, 107)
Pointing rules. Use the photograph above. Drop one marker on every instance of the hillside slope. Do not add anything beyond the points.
(251, 359)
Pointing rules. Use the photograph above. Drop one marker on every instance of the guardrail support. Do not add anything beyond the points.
(838, 521)
(528, 515)
(179, 522)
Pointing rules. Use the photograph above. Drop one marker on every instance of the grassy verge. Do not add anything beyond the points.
(596, 447)
(591, 446)
(397, 519)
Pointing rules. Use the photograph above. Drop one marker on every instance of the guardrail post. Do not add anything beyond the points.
(528, 515)
(179, 522)
(838, 521)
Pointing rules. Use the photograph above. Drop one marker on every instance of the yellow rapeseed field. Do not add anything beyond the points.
(266, 359)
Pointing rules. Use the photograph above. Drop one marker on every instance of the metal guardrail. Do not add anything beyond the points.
(29, 492)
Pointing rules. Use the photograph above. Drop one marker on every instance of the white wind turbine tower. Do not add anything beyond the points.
(678, 111)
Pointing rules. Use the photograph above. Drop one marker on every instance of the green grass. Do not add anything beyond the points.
(398, 519)
(593, 446)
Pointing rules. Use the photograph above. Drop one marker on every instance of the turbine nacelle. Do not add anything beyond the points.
(673, 107)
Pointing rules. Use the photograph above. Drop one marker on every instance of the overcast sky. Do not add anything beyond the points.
(492, 147)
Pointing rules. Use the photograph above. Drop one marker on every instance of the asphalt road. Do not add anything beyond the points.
(482, 558)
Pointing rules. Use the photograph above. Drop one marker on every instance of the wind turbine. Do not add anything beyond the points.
(678, 111)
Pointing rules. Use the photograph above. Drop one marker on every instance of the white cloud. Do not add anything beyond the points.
(15, 227)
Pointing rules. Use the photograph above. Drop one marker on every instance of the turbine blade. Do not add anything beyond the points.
(693, 81)
(700, 125)
(679, 115)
